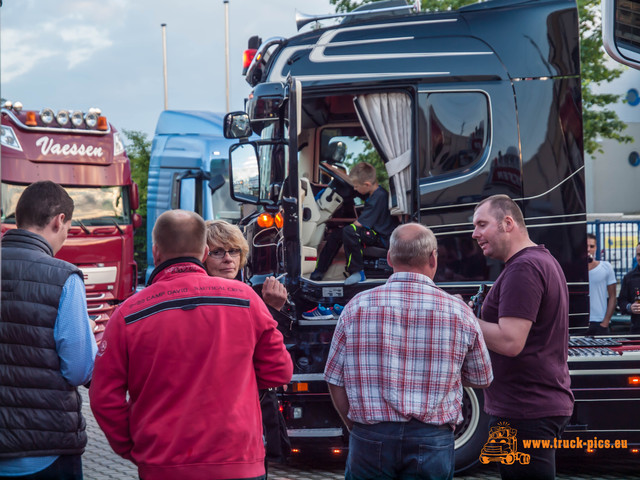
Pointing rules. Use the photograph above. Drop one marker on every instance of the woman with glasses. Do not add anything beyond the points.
(228, 251)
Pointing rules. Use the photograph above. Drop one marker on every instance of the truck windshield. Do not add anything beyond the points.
(93, 206)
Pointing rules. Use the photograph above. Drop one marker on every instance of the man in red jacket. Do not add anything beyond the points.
(191, 352)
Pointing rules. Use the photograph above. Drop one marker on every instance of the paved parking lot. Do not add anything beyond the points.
(100, 463)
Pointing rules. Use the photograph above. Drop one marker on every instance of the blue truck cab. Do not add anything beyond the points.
(188, 168)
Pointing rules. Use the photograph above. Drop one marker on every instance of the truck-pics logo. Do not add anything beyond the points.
(502, 446)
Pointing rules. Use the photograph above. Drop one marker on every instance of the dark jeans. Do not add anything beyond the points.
(353, 239)
(400, 450)
(596, 329)
(66, 467)
(542, 465)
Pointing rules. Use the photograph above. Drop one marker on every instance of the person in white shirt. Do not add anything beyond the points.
(602, 291)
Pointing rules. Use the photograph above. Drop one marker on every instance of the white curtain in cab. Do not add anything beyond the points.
(386, 118)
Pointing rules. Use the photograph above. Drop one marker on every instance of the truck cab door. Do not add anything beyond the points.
(290, 198)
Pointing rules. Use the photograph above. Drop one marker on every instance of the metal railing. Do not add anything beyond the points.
(616, 242)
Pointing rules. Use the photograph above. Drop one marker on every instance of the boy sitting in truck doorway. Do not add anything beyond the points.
(372, 228)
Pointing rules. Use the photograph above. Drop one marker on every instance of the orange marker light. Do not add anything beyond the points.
(265, 220)
(102, 123)
(635, 450)
(247, 56)
(300, 387)
(279, 220)
(634, 381)
(295, 450)
(31, 119)
(336, 451)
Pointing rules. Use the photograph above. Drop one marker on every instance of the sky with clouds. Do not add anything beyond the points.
(77, 54)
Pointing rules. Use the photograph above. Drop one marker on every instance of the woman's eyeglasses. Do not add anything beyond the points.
(220, 252)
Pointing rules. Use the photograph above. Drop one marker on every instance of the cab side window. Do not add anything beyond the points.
(453, 131)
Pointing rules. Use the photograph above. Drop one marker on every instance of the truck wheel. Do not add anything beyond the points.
(509, 459)
(473, 432)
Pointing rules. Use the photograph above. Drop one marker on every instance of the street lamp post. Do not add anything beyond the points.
(226, 48)
(164, 64)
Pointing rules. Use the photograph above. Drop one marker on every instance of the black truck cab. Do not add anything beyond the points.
(451, 108)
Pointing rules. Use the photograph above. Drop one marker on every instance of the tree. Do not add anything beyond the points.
(139, 153)
(370, 155)
(598, 120)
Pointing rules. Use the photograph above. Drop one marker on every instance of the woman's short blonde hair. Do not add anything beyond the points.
(228, 236)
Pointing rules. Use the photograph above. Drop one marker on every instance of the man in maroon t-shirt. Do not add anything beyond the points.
(525, 323)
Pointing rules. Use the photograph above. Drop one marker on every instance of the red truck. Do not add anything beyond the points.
(84, 153)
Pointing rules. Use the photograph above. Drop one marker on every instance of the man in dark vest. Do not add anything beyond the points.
(47, 346)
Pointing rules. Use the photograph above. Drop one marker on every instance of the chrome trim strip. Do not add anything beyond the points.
(314, 432)
(307, 377)
(302, 321)
(516, 199)
(359, 76)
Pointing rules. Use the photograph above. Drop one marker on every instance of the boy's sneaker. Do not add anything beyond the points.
(355, 278)
(337, 310)
(318, 313)
(316, 275)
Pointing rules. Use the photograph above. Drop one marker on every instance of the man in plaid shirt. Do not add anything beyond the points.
(399, 358)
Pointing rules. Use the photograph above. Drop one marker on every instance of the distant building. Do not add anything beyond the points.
(613, 177)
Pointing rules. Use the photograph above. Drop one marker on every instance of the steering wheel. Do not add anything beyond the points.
(339, 178)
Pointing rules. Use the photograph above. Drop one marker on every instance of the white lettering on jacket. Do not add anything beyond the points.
(47, 145)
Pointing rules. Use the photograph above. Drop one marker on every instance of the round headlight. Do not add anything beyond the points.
(63, 117)
(91, 119)
(47, 116)
(76, 118)
(17, 106)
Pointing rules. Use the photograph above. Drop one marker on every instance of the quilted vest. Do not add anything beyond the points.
(40, 412)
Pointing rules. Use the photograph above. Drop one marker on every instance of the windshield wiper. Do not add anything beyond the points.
(117, 226)
(84, 228)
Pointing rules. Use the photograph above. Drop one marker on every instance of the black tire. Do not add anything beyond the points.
(473, 432)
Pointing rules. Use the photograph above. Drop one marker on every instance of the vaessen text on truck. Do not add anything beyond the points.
(457, 106)
(85, 154)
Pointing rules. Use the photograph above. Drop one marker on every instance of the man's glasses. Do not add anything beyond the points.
(220, 252)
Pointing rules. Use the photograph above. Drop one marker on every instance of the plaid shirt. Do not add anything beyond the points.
(402, 351)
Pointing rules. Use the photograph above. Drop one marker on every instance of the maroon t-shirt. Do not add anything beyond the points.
(535, 383)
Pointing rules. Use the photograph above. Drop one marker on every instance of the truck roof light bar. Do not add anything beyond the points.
(102, 123)
(91, 119)
(76, 118)
(62, 117)
(47, 116)
(31, 120)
